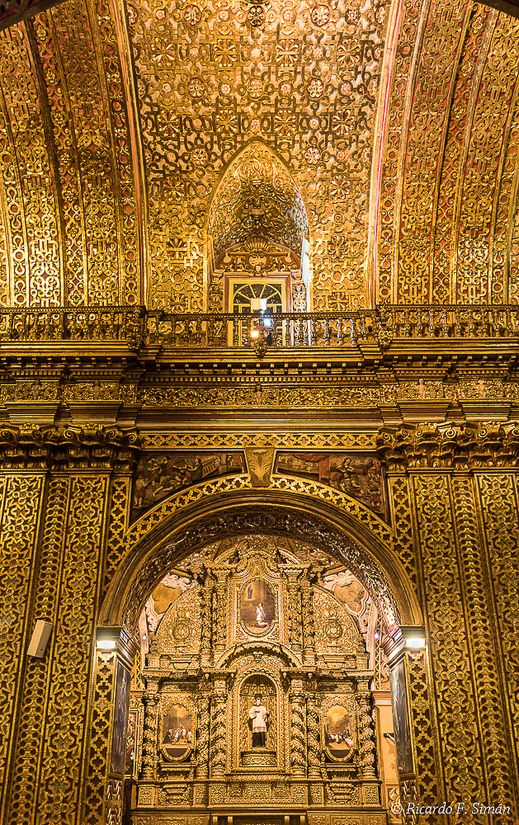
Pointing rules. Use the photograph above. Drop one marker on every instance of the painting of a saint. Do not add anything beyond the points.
(257, 606)
(337, 733)
(258, 722)
(177, 732)
(122, 694)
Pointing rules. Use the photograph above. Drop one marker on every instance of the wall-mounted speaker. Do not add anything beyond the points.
(40, 638)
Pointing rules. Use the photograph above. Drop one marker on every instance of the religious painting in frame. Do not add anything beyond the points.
(120, 719)
(177, 733)
(401, 721)
(257, 606)
(338, 733)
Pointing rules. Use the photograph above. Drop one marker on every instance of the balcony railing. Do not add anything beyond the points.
(138, 328)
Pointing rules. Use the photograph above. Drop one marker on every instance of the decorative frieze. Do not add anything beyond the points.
(450, 445)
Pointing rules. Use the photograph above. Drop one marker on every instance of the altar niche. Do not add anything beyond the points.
(256, 687)
(258, 700)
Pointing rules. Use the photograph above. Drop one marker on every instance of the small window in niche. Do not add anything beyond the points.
(243, 291)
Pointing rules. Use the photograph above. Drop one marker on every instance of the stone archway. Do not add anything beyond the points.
(231, 507)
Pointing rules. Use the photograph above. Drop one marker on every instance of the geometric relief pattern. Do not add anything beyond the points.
(64, 742)
(301, 77)
(450, 158)
(66, 174)
(98, 755)
(399, 497)
(499, 499)
(31, 218)
(423, 724)
(120, 492)
(20, 505)
(23, 799)
(498, 758)
(433, 78)
(450, 655)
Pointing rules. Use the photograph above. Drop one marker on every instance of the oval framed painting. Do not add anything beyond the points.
(177, 733)
(257, 606)
(338, 734)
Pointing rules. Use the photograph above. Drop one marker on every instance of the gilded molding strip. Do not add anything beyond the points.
(51, 55)
(38, 281)
(23, 791)
(499, 496)
(21, 506)
(64, 745)
(478, 608)
(459, 736)
(240, 440)
(129, 286)
(401, 520)
(119, 506)
(391, 176)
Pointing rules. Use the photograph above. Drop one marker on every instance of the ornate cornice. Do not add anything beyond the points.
(93, 446)
(450, 445)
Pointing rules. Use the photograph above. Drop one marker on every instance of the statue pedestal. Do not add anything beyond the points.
(259, 758)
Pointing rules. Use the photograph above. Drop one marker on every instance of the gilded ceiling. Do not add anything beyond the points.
(386, 133)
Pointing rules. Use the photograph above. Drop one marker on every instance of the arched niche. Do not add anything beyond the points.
(165, 536)
(257, 235)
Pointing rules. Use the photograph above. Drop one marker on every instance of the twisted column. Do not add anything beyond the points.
(313, 737)
(206, 615)
(367, 745)
(218, 730)
(149, 737)
(294, 611)
(219, 602)
(202, 737)
(307, 604)
(297, 731)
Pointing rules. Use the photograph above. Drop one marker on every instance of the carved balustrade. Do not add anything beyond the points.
(138, 328)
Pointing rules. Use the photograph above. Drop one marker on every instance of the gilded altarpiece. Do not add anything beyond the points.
(249, 708)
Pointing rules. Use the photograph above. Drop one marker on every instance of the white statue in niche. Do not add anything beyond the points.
(258, 721)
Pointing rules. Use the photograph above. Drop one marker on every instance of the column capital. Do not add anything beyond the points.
(449, 446)
(91, 446)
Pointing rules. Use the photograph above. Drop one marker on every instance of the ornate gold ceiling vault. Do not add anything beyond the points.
(447, 180)
(303, 78)
(70, 204)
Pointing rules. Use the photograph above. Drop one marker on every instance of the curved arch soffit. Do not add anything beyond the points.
(297, 508)
(257, 197)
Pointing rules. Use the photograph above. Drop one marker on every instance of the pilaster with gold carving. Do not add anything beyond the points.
(294, 611)
(298, 748)
(149, 737)
(218, 751)
(308, 622)
(20, 515)
(313, 735)
(219, 611)
(203, 704)
(367, 745)
(206, 592)
(107, 745)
